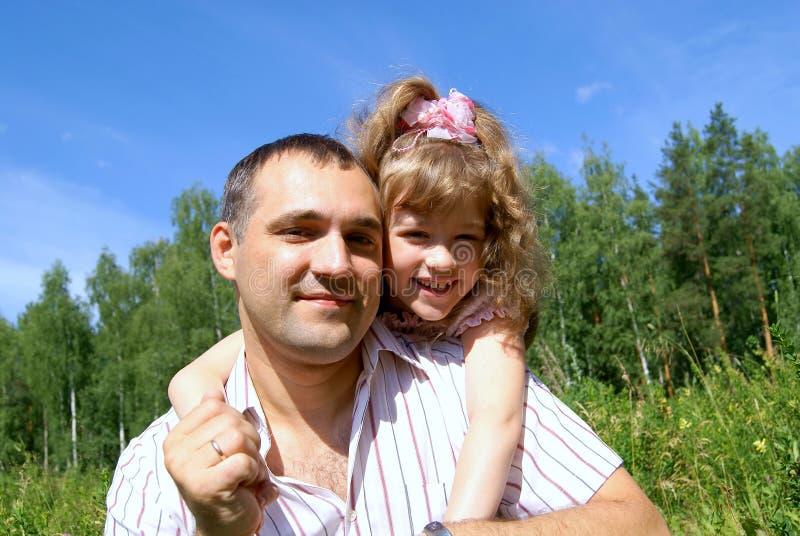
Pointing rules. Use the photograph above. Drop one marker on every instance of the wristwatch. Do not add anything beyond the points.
(434, 528)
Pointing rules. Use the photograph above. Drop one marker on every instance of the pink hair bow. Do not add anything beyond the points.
(451, 118)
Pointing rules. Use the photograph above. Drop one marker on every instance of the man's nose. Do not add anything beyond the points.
(331, 257)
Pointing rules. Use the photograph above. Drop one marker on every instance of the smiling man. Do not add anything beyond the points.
(332, 424)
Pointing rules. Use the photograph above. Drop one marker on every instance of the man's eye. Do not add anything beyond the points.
(297, 232)
(363, 240)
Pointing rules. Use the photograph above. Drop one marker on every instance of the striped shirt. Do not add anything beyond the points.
(409, 422)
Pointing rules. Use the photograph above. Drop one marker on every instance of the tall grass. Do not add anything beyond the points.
(722, 456)
(36, 502)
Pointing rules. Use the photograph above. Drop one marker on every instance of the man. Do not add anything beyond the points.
(360, 430)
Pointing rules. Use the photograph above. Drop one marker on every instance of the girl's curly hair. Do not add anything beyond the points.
(436, 174)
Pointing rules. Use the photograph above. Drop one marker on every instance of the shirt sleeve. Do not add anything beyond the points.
(559, 463)
(143, 498)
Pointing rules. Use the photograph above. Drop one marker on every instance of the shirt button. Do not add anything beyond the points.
(351, 516)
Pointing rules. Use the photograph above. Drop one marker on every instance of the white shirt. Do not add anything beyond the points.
(409, 422)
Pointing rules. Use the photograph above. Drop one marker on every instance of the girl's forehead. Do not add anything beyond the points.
(464, 213)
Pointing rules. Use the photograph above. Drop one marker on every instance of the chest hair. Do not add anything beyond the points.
(312, 459)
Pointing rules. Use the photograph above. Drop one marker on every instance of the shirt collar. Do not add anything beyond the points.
(379, 339)
(241, 393)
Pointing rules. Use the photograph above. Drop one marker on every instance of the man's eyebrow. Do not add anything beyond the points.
(369, 222)
(292, 217)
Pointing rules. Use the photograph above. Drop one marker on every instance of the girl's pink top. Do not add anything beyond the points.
(479, 309)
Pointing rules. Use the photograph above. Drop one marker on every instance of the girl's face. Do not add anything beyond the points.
(433, 260)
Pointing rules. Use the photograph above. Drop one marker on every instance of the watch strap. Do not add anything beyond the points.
(436, 528)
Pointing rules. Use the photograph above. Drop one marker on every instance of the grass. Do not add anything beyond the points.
(720, 457)
(35, 502)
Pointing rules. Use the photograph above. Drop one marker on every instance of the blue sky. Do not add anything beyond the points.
(108, 110)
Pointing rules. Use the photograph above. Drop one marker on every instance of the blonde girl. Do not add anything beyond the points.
(460, 261)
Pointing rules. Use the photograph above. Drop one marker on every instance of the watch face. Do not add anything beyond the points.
(435, 528)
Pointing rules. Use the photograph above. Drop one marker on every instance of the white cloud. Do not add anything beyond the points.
(585, 93)
(547, 149)
(576, 160)
(115, 135)
(46, 219)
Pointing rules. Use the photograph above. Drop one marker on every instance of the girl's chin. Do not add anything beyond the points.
(429, 314)
(414, 306)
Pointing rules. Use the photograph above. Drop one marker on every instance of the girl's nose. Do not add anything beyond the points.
(440, 258)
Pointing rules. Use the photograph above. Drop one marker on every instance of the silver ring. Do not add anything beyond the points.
(216, 447)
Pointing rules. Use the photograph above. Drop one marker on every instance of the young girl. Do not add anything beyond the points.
(459, 262)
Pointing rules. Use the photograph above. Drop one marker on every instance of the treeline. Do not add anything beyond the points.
(80, 378)
(701, 267)
(643, 286)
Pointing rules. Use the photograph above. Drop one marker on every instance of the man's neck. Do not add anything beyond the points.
(309, 411)
(289, 388)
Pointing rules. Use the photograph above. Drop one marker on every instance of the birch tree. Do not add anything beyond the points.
(56, 348)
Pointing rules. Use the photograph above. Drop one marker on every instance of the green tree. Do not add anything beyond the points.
(603, 250)
(154, 338)
(116, 295)
(618, 257)
(683, 223)
(56, 350)
(786, 203)
(15, 404)
(760, 190)
(200, 302)
(554, 206)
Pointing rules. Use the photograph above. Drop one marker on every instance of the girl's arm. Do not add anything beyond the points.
(495, 369)
(208, 372)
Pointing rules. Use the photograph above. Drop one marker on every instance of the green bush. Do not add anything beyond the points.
(33, 501)
(720, 457)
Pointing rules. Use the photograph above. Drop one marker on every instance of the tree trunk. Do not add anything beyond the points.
(74, 423)
(46, 447)
(709, 283)
(662, 348)
(563, 326)
(754, 265)
(215, 303)
(788, 265)
(623, 281)
(791, 280)
(639, 350)
(121, 408)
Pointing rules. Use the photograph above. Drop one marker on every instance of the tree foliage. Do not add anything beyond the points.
(700, 263)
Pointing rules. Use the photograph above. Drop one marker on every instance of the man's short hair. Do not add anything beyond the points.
(238, 198)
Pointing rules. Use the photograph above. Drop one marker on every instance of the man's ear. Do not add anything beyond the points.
(223, 247)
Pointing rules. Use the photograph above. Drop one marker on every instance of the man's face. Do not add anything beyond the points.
(308, 267)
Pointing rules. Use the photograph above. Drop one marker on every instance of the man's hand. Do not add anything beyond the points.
(226, 493)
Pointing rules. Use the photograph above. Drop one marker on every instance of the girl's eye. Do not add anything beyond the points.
(415, 235)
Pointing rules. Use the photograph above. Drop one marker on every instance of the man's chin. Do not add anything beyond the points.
(328, 345)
